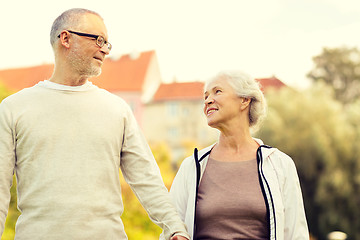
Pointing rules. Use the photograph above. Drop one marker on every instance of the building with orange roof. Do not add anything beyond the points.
(135, 77)
(16, 79)
(178, 91)
(270, 83)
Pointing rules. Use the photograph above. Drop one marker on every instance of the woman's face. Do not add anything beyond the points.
(221, 105)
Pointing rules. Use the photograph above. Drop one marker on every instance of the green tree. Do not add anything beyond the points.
(4, 92)
(353, 115)
(339, 68)
(13, 212)
(315, 130)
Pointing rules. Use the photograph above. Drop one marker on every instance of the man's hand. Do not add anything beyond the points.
(178, 237)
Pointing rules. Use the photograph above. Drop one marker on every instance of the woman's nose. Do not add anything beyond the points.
(208, 100)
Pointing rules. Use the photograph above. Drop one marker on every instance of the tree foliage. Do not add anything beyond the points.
(13, 213)
(322, 137)
(4, 92)
(339, 68)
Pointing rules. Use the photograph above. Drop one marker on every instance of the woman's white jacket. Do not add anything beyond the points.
(280, 186)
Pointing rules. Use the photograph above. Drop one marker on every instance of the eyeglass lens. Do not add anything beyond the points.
(100, 41)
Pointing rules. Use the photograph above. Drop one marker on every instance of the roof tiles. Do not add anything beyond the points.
(179, 91)
(125, 74)
(195, 90)
(18, 78)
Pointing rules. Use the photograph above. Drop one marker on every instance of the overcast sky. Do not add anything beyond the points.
(194, 39)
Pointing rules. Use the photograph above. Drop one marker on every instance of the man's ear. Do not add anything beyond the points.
(65, 39)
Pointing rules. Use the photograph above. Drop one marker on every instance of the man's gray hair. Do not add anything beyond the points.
(246, 86)
(67, 20)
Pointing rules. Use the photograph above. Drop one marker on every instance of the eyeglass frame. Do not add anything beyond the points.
(96, 37)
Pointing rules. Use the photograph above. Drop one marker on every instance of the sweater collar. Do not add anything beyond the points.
(85, 87)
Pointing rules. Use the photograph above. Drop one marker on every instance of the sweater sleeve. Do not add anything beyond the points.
(7, 162)
(142, 173)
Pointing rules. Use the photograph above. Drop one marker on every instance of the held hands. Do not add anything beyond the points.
(177, 237)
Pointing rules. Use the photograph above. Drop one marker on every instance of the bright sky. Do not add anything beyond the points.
(194, 39)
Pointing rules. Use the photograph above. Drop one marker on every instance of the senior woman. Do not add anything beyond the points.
(238, 188)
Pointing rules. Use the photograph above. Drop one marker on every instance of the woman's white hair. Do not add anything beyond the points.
(246, 86)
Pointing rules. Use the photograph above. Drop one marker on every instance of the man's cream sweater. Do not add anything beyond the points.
(66, 146)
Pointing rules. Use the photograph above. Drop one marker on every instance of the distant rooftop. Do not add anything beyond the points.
(125, 74)
(272, 82)
(179, 90)
(195, 90)
(16, 79)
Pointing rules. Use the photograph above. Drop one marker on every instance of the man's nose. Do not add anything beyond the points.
(105, 49)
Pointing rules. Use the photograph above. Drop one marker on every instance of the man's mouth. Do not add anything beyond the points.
(99, 59)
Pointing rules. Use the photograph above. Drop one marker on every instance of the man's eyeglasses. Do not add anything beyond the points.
(100, 40)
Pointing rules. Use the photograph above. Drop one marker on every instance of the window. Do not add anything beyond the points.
(172, 109)
(173, 132)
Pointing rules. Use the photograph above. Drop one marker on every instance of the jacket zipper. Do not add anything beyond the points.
(198, 173)
(265, 188)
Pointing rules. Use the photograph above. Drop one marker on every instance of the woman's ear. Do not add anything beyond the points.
(245, 102)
